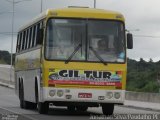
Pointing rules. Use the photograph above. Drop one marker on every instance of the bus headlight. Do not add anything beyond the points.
(52, 93)
(60, 93)
(109, 95)
(117, 95)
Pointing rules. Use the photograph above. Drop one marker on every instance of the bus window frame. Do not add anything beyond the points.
(21, 41)
(28, 38)
(24, 45)
(24, 40)
(18, 41)
(31, 38)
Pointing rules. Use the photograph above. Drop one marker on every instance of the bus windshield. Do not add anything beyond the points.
(85, 40)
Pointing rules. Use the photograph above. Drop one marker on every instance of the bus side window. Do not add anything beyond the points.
(27, 31)
(28, 40)
(21, 41)
(24, 40)
(38, 28)
(31, 37)
(34, 36)
(18, 41)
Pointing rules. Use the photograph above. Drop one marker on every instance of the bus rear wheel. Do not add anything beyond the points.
(107, 108)
(23, 103)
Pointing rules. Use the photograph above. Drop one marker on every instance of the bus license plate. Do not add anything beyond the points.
(84, 95)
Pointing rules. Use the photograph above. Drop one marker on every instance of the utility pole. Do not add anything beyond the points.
(13, 13)
(13, 5)
(41, 6)
(94, 3)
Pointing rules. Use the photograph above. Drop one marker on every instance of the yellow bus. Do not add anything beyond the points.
(73, 57)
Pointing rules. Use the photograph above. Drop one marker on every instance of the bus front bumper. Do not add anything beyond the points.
(50, 94)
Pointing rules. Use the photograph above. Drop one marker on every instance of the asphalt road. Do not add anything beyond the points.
(9, 107)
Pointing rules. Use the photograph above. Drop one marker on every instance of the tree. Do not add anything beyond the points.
(142, 75)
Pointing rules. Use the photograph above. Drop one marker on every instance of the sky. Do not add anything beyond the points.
(142, 20)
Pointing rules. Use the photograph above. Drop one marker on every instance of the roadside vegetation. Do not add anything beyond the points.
(143, 76)
(5, 57)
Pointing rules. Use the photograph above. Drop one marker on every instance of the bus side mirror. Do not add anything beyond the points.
(129, 41)
(39, 37)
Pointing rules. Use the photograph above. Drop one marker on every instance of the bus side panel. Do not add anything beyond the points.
(27, 69)
(28, 78)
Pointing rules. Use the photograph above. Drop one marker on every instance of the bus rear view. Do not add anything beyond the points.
(83, 60)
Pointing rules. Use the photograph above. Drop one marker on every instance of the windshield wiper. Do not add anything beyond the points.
(74, 52)
(98, 56)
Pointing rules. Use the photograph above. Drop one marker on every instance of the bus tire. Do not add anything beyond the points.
(107, 108)
(21, 95)
(24, 104)
(36, 91)
(71, 108)
(82, 108)
(43, 107)
(32, 105)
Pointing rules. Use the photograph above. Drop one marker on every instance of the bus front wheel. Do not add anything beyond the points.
(43, 107)
(107, 108)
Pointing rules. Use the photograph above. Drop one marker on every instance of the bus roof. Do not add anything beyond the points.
(77, 12)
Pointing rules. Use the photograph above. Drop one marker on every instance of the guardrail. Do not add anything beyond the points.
(142, 96)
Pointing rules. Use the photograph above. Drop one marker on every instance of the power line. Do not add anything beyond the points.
(8, 33)
(149, 36)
